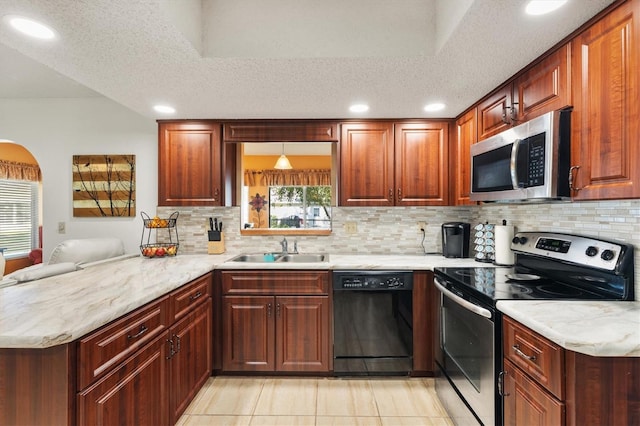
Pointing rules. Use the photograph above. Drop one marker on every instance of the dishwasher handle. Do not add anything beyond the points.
(478, 310)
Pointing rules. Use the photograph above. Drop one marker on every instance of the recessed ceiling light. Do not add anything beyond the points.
(164, 109)
(30, 27)
(540, 7)
(359, 108)
(436, 106)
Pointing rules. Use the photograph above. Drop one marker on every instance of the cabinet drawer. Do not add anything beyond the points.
(192, 294)
(271, 282)
(107, 347)
(538, 357)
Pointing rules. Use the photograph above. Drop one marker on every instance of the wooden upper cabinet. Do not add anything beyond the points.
(281, 131)
(494, 113)
(544, 87)
(366, 164)
(382, 164)
(189, 164)
(421, 163)
(466, 135)
(605, 131)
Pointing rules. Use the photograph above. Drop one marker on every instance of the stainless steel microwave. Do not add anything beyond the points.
(528, 162)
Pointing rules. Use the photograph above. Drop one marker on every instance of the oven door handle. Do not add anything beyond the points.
(478, 310)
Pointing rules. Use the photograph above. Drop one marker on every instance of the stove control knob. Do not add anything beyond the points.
(519, 240)
(591, 251)
(607, 255)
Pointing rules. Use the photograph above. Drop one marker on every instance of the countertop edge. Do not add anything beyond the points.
(582, 326)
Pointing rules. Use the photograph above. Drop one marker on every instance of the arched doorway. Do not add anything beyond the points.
(20, 206)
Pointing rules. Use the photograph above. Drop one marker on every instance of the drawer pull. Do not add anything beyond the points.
(195, 296)
(143, 329)
(517, 350)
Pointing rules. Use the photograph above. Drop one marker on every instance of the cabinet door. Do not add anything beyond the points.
(526, 403)
(190, 365)
(248, 333)
(133, 394)
(494, 113)
(303, 333)
(606, 135)
(421, 164)
(466, 135)
(366, 164)
(544, 87)
(189, 165)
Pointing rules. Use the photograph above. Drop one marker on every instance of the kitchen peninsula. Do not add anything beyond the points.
(43, 323)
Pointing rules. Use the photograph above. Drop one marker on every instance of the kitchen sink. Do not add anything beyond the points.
(304, 258)
(278, 257)
(257, 258)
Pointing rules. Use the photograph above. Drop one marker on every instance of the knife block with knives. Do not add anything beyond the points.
(216, 237)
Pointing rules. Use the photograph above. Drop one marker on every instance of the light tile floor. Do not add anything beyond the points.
(271, 401)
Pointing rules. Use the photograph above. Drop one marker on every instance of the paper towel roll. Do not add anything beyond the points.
(503, 236)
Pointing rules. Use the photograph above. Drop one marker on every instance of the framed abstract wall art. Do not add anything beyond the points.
(104, 185)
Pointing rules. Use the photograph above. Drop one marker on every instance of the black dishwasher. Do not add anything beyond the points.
(372, 323)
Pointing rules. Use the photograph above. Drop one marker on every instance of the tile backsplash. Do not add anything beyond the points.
(394, 230)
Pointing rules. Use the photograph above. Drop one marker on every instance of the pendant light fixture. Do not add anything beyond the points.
(283, 162)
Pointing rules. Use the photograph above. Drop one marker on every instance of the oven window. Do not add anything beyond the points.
(467, 341)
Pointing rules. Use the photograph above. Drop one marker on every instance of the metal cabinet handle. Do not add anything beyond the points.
(501, 384)
(269, 310)
(571, 178)
(177, 343)
(195, 296)
(399, 194)
(216, 194)
(278, 310)
(143, 329)
(171, 350)
(390, 194)
(516, 349)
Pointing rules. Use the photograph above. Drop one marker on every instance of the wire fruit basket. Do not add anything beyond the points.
(166, 240)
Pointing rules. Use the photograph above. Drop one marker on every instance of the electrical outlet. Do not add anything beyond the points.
(351, 227)
(61, 228)
(422, 226)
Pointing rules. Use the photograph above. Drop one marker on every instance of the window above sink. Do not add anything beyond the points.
(294, 201)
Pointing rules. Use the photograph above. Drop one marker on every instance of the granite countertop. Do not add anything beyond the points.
(593, 328)
(60, 309)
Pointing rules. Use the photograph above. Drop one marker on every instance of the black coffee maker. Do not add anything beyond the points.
(455, 239)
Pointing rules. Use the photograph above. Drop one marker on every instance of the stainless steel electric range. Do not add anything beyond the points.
(548, 266)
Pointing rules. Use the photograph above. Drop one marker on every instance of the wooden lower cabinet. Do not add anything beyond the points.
(302, 334)
(190, 365)
(153, 385)
(526, 402)
(544, 384)
(248, 330)
(275, 321)
(276, 333)
(133, 394)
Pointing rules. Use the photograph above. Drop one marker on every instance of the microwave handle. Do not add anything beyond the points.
(478, 310)
(514, 162)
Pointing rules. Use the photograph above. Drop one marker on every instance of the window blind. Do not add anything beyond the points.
(18, 216)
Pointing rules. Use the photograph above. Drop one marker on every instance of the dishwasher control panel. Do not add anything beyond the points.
(373, 280)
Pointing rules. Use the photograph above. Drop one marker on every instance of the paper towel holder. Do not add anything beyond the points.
(503, 236)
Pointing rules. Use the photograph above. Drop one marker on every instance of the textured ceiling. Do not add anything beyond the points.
(278, 58)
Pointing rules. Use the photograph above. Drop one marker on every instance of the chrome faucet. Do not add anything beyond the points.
(285, 246)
